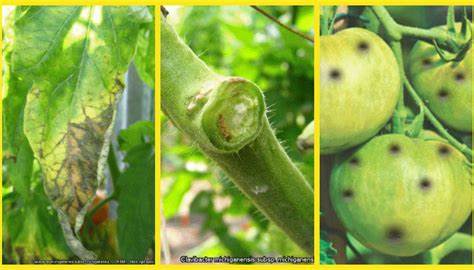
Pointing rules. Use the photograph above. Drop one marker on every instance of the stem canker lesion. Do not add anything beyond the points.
(247, 150)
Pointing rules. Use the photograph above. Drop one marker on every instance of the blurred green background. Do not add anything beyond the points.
(204, 214)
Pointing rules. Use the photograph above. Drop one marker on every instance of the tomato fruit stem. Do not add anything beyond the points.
(435, 122)
(444, 39)
(398, 117)
(457, 242)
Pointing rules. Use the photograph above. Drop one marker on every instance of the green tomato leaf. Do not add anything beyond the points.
(326, 250)
(34, 230)
(202, 204)
(20, 168)
(144, 58)
(176, 192)
(451, 20)
(17, 153)
(138, 133)
(136, 211)
(214, 222)
(416, 126)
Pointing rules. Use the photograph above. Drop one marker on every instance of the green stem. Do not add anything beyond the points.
(113, 166)
(226, 118)
(445, 40)
(457, 242)
(356, 252)
(327, 19)
(389, 24)
(439, 127)
(323, 23)
(398, 116)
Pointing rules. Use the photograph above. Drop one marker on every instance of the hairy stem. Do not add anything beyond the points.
(226, 118)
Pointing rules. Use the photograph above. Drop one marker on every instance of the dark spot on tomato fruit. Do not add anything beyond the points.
(363, 46)
(443, 150)
(459, 76)
(426, 62)
(347, 194)
(443, 94)
(395, 149)
(394, 234)
(335, 74)
(425, 183)
(354, 161)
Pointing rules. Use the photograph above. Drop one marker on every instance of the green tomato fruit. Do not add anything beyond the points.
(446, 87)
(360, 85)
(402, 196)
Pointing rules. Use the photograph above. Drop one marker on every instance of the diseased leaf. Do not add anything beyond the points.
(144, 59)
(72, 60)
(136, 211)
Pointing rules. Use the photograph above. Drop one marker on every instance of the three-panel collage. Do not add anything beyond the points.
(238, 136)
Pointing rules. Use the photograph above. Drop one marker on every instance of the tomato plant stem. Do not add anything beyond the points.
(439, 127)
(457, 242)
(324, 22)
(359, 256)
(398, 116)
(444, 39)
(226, 119)
(327, 19)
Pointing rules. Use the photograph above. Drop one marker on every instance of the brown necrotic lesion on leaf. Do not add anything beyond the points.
(77, 178)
